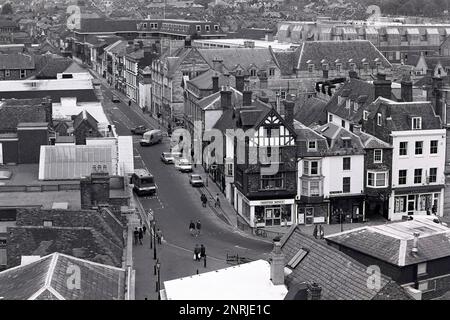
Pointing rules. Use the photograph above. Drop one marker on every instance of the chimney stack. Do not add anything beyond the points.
(263, 82)
(218, 64)
(382, 86)
(436, 98)
(407, 89)
(315, 291)
(246, 96)
(277, 265)
(240, 81)
(415, 248)
(215, 83)
(187, 42)
(353, 74)
(289, 111)
(225, 98)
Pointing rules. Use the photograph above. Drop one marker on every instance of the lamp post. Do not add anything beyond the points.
(154, 239)
(158, 268)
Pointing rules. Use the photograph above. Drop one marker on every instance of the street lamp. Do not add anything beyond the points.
(154, 239)
(158, 268)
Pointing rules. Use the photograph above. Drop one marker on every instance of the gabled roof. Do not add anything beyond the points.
(335, 135)
(106, 25)
(371, 142)
(393, 242)
(357, 50)
(341, 277)
(311, 111)
(287, 60)
(213, 102)
(305, 134)
(16, 61)
(46, 279)
(84, 116)
(204, 80)
(53, 66)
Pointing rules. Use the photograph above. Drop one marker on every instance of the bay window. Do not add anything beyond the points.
(377, 179)
(312, 188)
(275, 181)
(311, 167)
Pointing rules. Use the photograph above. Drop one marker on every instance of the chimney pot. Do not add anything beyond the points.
(316, 291)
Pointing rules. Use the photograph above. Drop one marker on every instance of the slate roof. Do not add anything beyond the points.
(82, 95)
(213, 102)
(244, 57)
(356, 90)
(432, 61)
(311, 111)
(84, 116)
(371, 142)
(204, 80)
(46, 279)
(13, 112)
(341, 277)
(53, 66)
(117, 47)
(401, 113)
(335, 135)
(357, 50)
(393, 242)
(305, 134)
(16, 61)
(287, 60)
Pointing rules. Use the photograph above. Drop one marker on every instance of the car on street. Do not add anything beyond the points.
(169, 157)
(115, 98)
(140, 130)
(143, 182)
(184, 165)
(196, 180)
(151, 137)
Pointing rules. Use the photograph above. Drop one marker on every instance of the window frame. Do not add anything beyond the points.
(400, 176)
(432, 147)
(418, 148)
(418, 178)
(346, 166)
(344, 184)
(419, 126)
(400, 148)
(365, 115)
(375, 156)
(309, 148)
(434, 175)
(375, 179)
(379, 118)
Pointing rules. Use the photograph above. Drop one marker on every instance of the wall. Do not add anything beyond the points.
(333, 174)
(10, 151)
(29, 145)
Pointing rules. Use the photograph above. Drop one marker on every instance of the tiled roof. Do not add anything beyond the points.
(432, 61)
(53, 66)
(204, 81)
(330, 51)
(84, 116)
(341, 277)
(287, 60)
(13, 112)
(311, 111)
(213, 102)
(393, 242)
(354, 90)
(16, 61)
(401, 113)
(117, 47)
(82, 95)
(336, 134)
(244, 57)
(371, 142)
(46, 279)
(305, 134)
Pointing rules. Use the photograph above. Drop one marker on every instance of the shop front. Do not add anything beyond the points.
(312, 213)
(265, 213)
(348, 209)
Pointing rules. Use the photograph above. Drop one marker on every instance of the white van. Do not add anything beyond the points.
(144, 182)
(151, 137)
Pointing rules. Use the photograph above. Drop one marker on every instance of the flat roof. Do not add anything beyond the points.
(241, 42)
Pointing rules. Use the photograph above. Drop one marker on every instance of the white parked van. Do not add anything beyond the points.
(151, 137)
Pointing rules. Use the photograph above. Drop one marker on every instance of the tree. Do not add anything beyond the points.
(7, 8)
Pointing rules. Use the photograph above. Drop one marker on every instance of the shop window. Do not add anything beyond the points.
(400, 204)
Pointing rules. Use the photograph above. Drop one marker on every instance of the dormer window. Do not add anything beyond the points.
(417, 123)
(325, 66)
(338, 67)
(346, 142)
(207, 28)
(365, 115)
(379, 119)
(253, 73)
(347, 104)
(352, 66)
(198, 28)
(310, 68)
(366, 67)
(216, 27)
(312, 145)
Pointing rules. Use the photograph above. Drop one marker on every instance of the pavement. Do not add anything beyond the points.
(174, 206)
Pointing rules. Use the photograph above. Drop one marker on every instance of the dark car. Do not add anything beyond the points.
(115, 98)
(139, 130)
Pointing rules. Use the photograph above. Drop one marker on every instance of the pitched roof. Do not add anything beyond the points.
(213, 101)
(371, 142)
(16, 61)
(53, 66)
(84, 116)
(393, 242)
(46, 279)
(204, 80)
(311, 111)
(13, 112)
(313, 52)
(400, 114)
(341, 277)
(305, 134)
(336, 135)
(287, 60)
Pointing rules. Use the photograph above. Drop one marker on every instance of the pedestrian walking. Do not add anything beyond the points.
(204, 200)
(192, 228)
(198, 225)
(315, 231)
(197, 251)
(202, 251)
(217, 203)
(129, 103)
(144, 228)
(159, 235)
(136, 235)
(140, 235)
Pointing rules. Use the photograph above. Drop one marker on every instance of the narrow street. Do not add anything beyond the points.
(175, 205)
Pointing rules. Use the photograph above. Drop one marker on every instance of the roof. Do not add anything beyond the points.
(46, 279)
(106, 25)
(311, 111)
(213, 101)
(393, 242)
(341, 277)
(305, 134)
(371, 142)
(402, 112)
(16, 61)
(13, 112)
(335, 135)
(82, 95)
(53, 66)
(287, 60)
(204, 80)
(66, 162)
(357, 50)
(248, 281)
(84, 116)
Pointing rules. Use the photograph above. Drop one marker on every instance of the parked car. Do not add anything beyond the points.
(196, 180)
(169, 157)
(151, 137)
(184, 165)
(139, 130)
(115, 98)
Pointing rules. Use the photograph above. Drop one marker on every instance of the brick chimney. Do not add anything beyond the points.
(48, 106)
(277, 264)
(218, 64)
(187, 42)
(263, 82)
(407, 89)
(225, 98)
(247, 96)
(382, 86)
(94, 190)
(356, 129)
(315, 291)
(436, 98)
(240, 81)
(289, 111)
(215, 83)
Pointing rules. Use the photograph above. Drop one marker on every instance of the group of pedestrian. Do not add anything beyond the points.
(195, 228)
(204, 200)
(138, 235)
(199, 252)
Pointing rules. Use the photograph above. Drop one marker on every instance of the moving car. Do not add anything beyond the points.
(169, 157)
(196, 180)
(151, 137)
(115, 98)
(144, 182)
(184, 165)
(139, 130)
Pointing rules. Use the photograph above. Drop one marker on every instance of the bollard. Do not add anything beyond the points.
(197, 271)
(156, 287)
(204, 261)
(154, 270)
